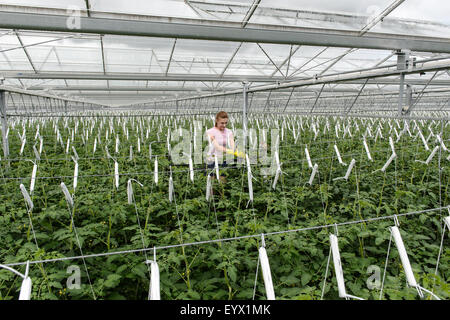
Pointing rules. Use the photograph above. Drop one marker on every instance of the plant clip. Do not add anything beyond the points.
(397, 224)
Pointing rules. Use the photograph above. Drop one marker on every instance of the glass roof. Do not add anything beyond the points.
(142, 68)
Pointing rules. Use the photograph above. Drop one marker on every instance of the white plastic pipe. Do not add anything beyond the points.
(338, 266)
(438, 137)
(392, 157)
(397, 135)
(277, 159)
(156, 170)
(339, 155)
(367, 150)
(308, 158)
(250, 185)
(33, 178)
(36, 153)
(95, 145)
(75, 176)
(313, 174)
(247, 159)
(430, 157)
(139, 145)
(403, 256)
(216, 166)
(447, 222)
(154, 281)
(391, 142)
(41, 144)
(267, 276)
(24, 140)
(67, 145)
(277, 175)
(26, 196)
(191, 169)
(25, 289)
(170, 189)
(67, 194)
(423, 140)
(208, 187)
(350, 167)
(130, 192)
(116, 174)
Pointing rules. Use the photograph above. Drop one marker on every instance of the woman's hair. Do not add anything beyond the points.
(221, 115)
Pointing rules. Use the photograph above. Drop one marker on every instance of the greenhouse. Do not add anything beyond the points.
(224, 150)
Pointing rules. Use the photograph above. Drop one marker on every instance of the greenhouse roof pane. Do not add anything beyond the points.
(152, 8)
(127, 61)
(342, 6)
(93, 83)
(430, 10)
(60, 4)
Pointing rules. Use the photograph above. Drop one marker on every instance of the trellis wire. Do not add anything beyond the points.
(175, 171)
(229, 239)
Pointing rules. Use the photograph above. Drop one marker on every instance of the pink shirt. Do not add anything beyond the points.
(222, 138)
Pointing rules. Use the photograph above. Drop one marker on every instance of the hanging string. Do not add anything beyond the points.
(385, 266)
(174, 171)
(256, 279)
(440, 252)
(71, 211)
(228, 239)
(326, 274)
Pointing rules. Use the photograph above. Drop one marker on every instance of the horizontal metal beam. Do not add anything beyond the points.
(139, 76)
(120, 88)
(190, 77)
(345, 77)
(162, 90)
(229, 31)
(426, 67)
(395, 82)
(44, 95)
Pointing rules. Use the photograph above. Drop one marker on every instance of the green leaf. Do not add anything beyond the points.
(306, 277)
(55, 284)
(112, 280)
(193, 294)
(232, 273)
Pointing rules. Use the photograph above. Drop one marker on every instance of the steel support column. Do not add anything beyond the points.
(244, 113)
(4, 125)
(400, 94)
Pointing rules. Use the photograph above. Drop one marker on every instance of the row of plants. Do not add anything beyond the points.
(106, 222)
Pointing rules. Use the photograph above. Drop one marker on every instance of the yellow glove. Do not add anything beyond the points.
(236, 153)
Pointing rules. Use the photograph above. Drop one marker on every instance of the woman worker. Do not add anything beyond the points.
(221, 141)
